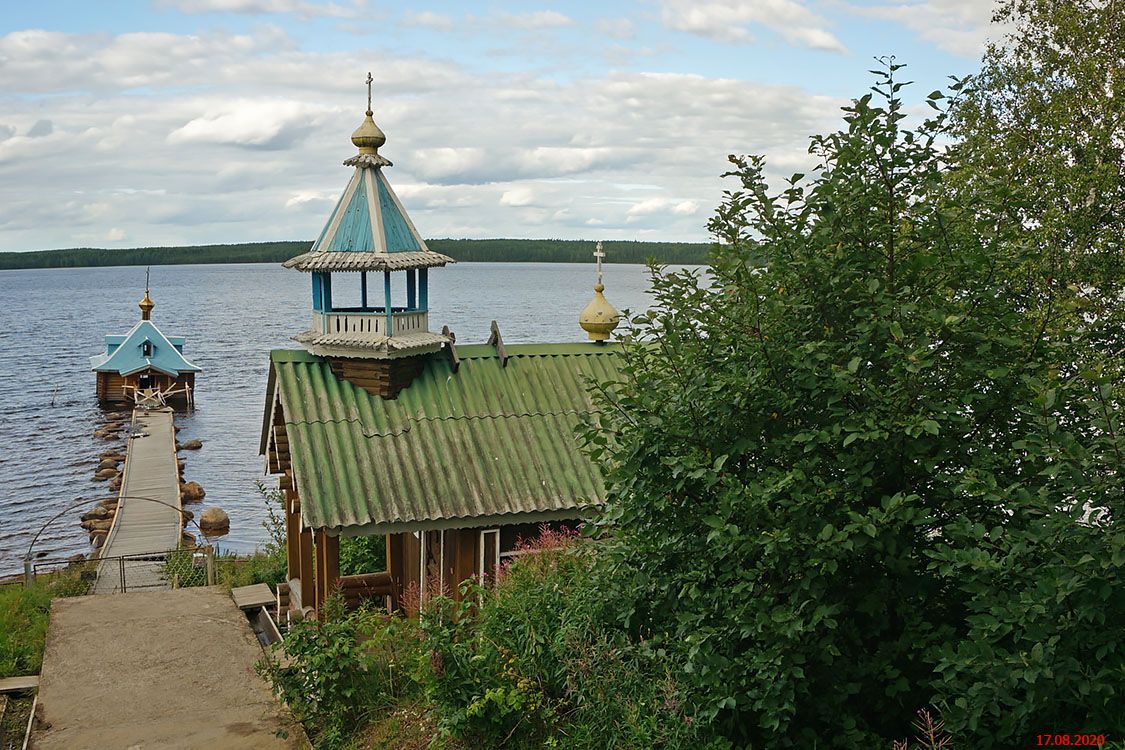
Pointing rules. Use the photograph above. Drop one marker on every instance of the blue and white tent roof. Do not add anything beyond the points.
(125, 355)
(369, 230)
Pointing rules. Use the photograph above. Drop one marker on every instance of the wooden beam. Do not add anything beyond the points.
(451, 348)
(497, 341)
(19, 684)
(292, 539)
(327, 568)
(308, 581)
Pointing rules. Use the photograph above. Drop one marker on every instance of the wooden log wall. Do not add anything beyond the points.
(379, 377)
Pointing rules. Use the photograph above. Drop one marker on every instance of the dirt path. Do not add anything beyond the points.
(166, 669)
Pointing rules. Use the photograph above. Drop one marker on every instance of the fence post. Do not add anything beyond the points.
(28, 572)
(209, 551)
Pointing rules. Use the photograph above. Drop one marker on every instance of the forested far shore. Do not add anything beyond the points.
(509, 250)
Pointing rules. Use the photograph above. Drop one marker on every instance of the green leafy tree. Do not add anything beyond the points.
(869, 479)
(1045, 119)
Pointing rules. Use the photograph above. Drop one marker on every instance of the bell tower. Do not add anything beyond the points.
(373, 335)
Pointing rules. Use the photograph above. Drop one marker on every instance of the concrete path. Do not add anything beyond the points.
(162, 669)
(144, 526)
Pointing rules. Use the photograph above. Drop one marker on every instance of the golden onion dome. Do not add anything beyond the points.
(368, 137)
(599, 318)
(146, 306)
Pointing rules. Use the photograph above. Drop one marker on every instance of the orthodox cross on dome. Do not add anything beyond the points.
(369, 80)
(599, 254)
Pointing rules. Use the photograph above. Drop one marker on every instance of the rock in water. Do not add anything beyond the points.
(96, 513)
(214, 521)
(191, 492)
(191, 445)
(103, 474)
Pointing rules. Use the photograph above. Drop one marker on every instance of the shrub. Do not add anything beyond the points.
(535, 662)
(335, 674)
(879, 474)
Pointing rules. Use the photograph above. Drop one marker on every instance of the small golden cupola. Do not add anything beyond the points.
(146, 305)
(599, 318)
(368, 137)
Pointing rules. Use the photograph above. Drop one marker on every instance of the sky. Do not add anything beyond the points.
(171, 122)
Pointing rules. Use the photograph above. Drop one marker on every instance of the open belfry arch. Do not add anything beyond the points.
(378, 426)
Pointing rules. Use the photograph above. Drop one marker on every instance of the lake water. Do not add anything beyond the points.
(53, 320)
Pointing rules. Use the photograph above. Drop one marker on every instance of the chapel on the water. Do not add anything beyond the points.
(380, 425)
(144, 363)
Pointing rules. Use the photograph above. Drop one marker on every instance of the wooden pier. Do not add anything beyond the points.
(148, 508)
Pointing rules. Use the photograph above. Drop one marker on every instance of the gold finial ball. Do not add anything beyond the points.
(368, 137)
(146, 306)
(599, 318)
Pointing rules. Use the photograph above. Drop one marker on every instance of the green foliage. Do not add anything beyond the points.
(538, 251)
(335, 674)
(536, 663)
(1045, 119)
(878, 475)
(362, 554)
(24, 615)
(266, 565)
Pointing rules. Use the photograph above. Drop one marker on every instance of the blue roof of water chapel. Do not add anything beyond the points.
(126, 354)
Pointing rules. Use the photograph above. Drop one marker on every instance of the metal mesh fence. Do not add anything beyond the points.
(173, 569)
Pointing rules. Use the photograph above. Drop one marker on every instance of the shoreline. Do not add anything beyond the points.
(623, 252)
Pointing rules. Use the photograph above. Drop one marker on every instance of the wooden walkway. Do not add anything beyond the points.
(144, 526)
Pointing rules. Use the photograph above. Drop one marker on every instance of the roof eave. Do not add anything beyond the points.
(465, 522)
(339, 261)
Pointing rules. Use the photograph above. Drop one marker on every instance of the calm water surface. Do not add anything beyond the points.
(53, 320)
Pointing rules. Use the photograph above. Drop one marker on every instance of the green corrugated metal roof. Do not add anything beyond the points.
(485, 444)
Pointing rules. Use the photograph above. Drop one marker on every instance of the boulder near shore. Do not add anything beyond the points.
(214, 521)
(191, 492)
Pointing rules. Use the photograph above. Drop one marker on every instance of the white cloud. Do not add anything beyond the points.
(542, 19)
(660, 205)
(517, 196)
(302, 197)
(730, 21)
(306, 8)
(269, 124)
(115, 235)
(960, 27)
(214, 137)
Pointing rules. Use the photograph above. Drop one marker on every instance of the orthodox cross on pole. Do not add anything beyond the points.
(147, 269)
(598, 255)
(369, 79)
